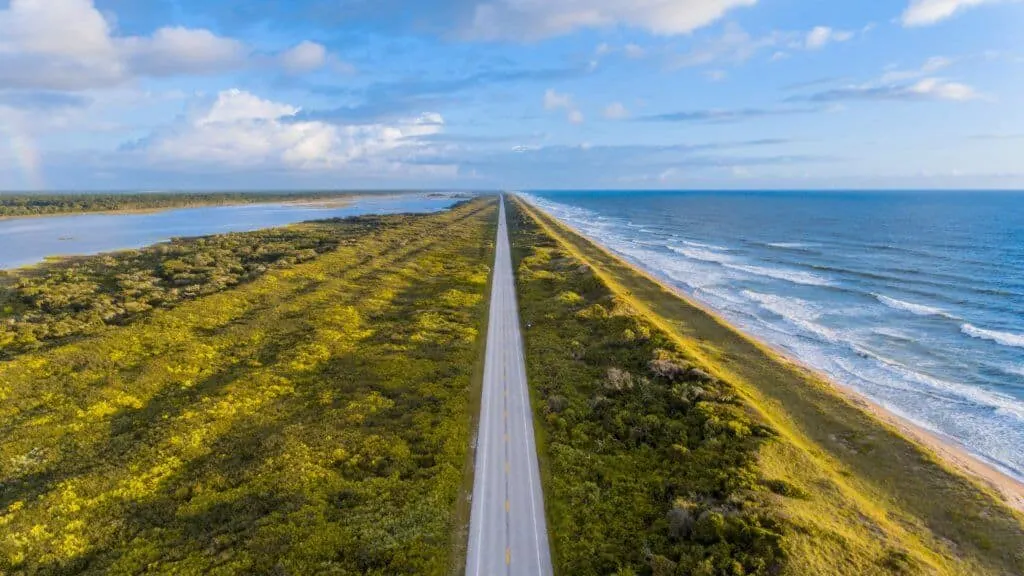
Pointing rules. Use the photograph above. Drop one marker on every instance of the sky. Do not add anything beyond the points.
(511, 94)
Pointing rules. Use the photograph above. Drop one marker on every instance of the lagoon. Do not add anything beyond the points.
(27, 241)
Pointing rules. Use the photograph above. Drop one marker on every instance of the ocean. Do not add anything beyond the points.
(914, 299)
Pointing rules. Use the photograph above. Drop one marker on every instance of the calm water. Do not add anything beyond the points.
(914, 299)
(26, 241)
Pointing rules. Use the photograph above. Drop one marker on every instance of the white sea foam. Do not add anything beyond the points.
(794, 276)
(701, 254)
(918, 309)
(1002, 403)
(703, 245)
(798, 312)
(1013, 370)
(893, 334)
(789, 245)
(1004, 338)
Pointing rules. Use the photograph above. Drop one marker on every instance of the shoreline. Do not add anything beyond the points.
(946, 449)
(326, 203)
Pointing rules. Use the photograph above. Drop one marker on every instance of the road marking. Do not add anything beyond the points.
(507, 468)
(529, 460)
(508, 556)
(508, 506)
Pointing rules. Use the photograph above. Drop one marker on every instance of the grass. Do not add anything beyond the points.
(313, 420)
(859, 498)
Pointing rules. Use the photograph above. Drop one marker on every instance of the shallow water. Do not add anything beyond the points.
(25, 241)
(914, 299)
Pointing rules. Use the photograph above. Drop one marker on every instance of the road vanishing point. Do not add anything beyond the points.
(508, 534)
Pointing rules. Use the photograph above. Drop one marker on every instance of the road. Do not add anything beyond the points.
(507, 531)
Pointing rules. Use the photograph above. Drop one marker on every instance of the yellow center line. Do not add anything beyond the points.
(508, 556)
(508, 506)
(507, 467)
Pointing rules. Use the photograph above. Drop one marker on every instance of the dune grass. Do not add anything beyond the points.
(313, 420)
(853, 495)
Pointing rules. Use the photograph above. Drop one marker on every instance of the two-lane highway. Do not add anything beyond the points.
(508, 534)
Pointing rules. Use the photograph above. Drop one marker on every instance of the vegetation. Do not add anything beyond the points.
(312, 420)
(64, 299)
(42, 204)
(672, 444)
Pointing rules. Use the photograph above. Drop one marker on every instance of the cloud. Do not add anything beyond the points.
(535, 20)
(242, 130)
(554, 100)
(736, 46)
(928, 12)
(634, 51)
(175, 51)
(905, 85)
(56, 45)
(725, 116)
(931, 66)
(924, 89)
(716, 75)
(69, 45)
(616, 111)
(42, 100)
(823, 35)
(304, 57)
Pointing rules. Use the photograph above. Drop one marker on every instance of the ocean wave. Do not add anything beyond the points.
(943, 389)
(789, 245)
(703, 245)
(701, 254)
(1012, 370)
(917, 309)
(1004, 338)
(793, 276)
(800, 313)
(893, 334)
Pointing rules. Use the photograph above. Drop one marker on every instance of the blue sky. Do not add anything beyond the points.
(271, 94)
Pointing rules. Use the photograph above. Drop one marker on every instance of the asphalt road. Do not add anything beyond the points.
(507, 532)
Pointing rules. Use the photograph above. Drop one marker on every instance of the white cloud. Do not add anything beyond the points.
(171, 51)
(634, 51)
(928, 12)
(538, 19)
(240, 129)
(939, 89)
(69, 45)
(931, 66)
(554, 100)
(56, 44)
(736, 46)
(822, 35)
(304, 57)
(716, 75)
(616, 111)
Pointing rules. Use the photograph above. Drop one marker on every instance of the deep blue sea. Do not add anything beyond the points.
(915, 299)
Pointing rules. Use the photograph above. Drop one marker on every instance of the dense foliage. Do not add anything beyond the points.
(314, 420)
(39, 204)
(79, 296)
(650, 462)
